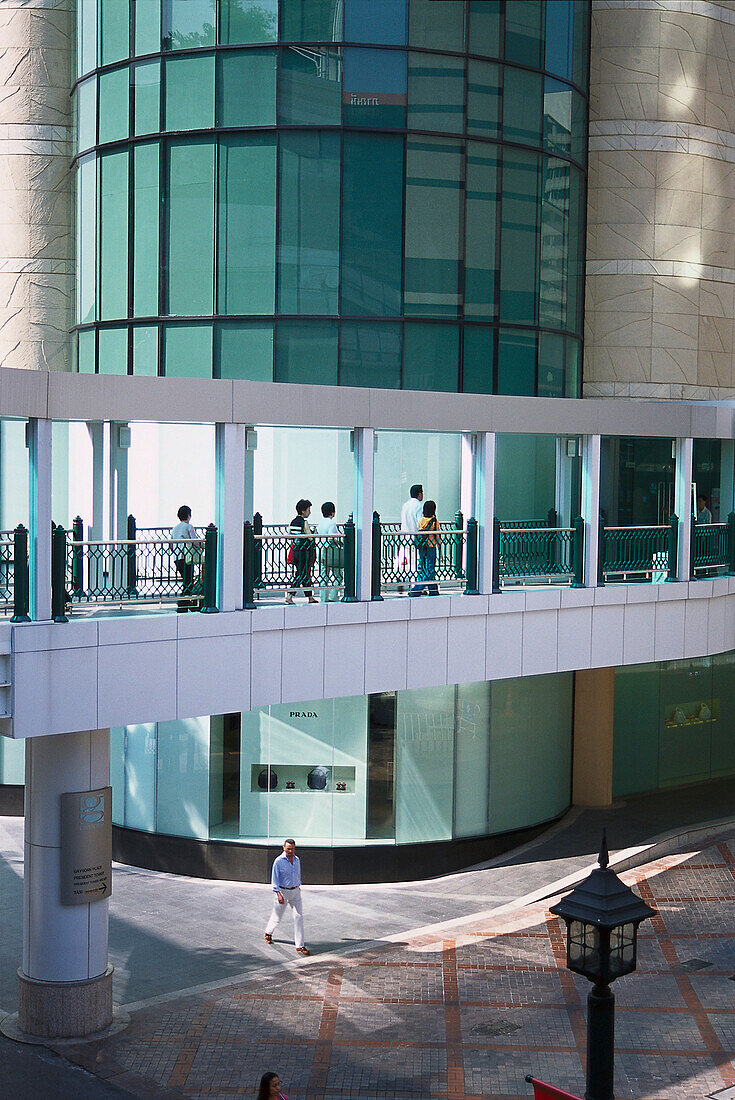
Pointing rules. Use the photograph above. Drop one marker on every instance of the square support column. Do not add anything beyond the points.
(683, 504)
(118, 499)
(230, 453)
(363, 450)
(467, 475)
(485, 507)
(591, 466)
(39, 510)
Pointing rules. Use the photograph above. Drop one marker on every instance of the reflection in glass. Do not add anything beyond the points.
(431, 357)
(554, 244)
(550, 365)
(246, 88)
(481, 212)
(436, 93)
(523, 21)
(435, 26)
(147, 26)
(317, 21)
(517, 362)
(182, 110)
(375, 88)
(424, 765)
(188, 25)
(86, 223)
(370, 354)
(86, 38)
(522, 106)
(559, 39)
(114, 105)
(190, 233)
(307, 352)
(310, 86)
(244, 349)
(246, 258)
(248, 21)
(187, 351)
(147, 105)
(86, 113)
(434, 170)
(519, 230)
(378, 21)
(478, 359)
(146, 210)
(483, 98)
(557, 117)
(113, 236)
(145, 350)
(114, 31)
(485, 27)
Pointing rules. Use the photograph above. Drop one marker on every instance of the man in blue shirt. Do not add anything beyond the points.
(286, 883)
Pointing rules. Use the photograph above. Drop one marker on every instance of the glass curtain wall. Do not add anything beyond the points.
(386, 194)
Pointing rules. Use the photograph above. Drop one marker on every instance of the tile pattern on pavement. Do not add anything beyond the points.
(461, 1013)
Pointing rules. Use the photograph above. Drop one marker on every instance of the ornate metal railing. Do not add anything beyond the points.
(711, 548)
(414, 563)
(279, 561)
(539, 555)
(638, 554)
(130, 571)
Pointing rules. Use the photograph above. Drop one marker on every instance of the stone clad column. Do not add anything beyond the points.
(661, 237)
(36, 272)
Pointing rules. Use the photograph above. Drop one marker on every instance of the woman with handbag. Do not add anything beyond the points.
(302, 552)
(426, 543)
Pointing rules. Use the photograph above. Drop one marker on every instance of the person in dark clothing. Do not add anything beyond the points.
(303, 552)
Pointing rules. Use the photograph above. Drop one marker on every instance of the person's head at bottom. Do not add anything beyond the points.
(270, 1086)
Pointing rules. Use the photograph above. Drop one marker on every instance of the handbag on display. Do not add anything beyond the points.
(317, 778)
(268, 779)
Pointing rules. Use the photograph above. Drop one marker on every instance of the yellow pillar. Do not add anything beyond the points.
(594, 705)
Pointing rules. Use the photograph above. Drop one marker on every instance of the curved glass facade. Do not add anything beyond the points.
(359, 192)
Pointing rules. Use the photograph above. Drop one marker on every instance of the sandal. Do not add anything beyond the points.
(303, 951)
(268, 937)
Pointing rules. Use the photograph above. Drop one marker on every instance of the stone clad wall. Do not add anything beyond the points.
(36, 269)
(660, 289)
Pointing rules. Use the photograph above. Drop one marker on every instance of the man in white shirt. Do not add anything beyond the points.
(286, 884)
(331, 555)
(411, 513)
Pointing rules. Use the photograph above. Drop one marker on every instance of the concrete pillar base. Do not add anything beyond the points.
(64, 1010)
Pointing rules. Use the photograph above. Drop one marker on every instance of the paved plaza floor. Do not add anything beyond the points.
(446, 989)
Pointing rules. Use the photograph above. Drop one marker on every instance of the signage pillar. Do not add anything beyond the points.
(65, 983)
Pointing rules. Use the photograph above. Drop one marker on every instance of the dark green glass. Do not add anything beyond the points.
(310, 86)
(551, 365)
(372, 221)
(430, 357)
(481, 215)
(370, 354)
(522, 106)
(246, 88)
(375, 88)
(554, 254)
(483, 99)
(478, 359)
(306, 352)
(517, 362)
(559, 38)
(315, 21)
(485, 28)
(518, 236)
(575, 251)
(246, 257)
(114, 105)
(437, 26)
(436, 93)
(113, 236)
(571, 369)
(434, 185)
(187, 351)
(558, 117)
(184, 110)
(308, 247)
(523, 33)
(244, 349)
(188, 267)
(244, 21)
(189, 24)
(581, 43)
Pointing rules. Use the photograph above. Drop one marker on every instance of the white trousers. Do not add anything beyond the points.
(292, 898)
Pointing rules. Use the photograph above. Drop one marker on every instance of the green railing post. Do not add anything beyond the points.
(248, 567)
(471, 588)
(578, 553)
(350, 562)
(21, 584)
(210, 571)
(375, 593)
(457, 545)
(257, 551)
(77, 558)
(58, 575)
(552, 518)
(692, 548)
(131, 557)
(495, 585)
(673, 570)
(731, 543)
(601, 552)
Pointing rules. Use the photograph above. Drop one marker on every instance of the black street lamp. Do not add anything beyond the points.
(602, 915)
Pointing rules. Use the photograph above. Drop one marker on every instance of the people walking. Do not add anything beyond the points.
(411, 513)
(270, 1088)
(187, 548)
(286, 883)
(426, 542)
(331, 555)
(302, 552)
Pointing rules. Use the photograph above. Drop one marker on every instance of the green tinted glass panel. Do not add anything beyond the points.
(635, 729)
(433, 211)
(520, 217)
(553, 263)
(478, 359)
(114, 105)
(375, 88)
(86, 37)
(147, 26)
(113, 235)
(246, 259)
(684, 749)
(436, 93)
(317, 21)
(308, 249)
(571, 369)
(189, 101)
(86, 113)
(114, 30)
(310, 86)
(559, 38)
(431, 357)
(189, 24)
(579, 128)
(481, 213)
(522, 106)
(550, 365)
(145, 222)
(383, 21)
(485, 27)
(517, 362)
(244, 351)
(557, 117)
(370, 354)
(86, 238)
(523, 22)
(246, 88)
(113, 350)
(723, 701)
(436, 26)
(147, 84)
(372, 219)
(145, 350)
(187, 351)
(575, 251)
(483, 98)
(248, 21)
(190, 227)
(581, 43)
(86, 362)
(307, 352)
